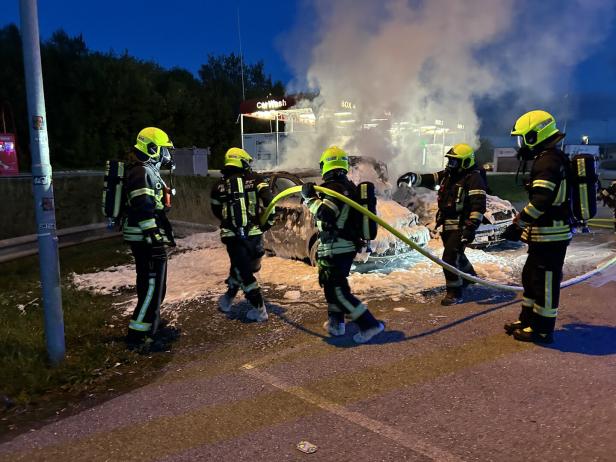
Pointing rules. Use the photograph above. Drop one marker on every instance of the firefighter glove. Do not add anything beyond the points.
(153, 237)
(409, 178)
(468, 234)
(512, 233)
(308, 191)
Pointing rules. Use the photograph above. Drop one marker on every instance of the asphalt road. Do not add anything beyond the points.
(443, 383)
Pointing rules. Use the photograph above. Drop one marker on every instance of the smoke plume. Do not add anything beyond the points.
(421, 62)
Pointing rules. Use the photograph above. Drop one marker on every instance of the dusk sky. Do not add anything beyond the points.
(182, 33)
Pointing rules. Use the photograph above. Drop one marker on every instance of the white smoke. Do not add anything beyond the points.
(419, 61)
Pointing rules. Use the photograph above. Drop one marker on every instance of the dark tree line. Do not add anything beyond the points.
(97, 102)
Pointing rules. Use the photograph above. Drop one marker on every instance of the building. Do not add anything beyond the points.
(505, 160)
(284, 122)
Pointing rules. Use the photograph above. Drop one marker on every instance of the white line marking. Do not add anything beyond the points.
(409, 441)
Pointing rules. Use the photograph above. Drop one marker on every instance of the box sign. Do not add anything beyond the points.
(8, 155)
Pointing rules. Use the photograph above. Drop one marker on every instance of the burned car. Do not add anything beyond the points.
(499, 214)
(294, 233)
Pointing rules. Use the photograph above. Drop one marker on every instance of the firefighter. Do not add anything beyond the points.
(338, 246)
(147, 230)
(238, 200)
(608, 196)
(544, 224)
(461, 205)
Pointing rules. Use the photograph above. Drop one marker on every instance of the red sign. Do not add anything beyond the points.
(8, 155)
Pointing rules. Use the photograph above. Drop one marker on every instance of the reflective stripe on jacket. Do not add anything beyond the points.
(334, 218)
(461, 197)
(145, 209)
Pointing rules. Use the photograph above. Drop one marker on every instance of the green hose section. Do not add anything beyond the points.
(609, 220)
(410, 243)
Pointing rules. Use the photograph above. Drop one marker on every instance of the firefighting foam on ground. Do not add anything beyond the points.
(412, 276)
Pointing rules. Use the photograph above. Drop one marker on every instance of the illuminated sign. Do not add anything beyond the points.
(271, 104)
(252, 106)
(346, 105)
(8, 155)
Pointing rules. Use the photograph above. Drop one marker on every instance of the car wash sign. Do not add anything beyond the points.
(266, 104)
(8, 155)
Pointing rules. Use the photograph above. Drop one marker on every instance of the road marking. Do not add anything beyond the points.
(409, 441)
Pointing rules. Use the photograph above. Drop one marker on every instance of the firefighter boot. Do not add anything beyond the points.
(258, 314)
(335, 325)
(226, 301)
(529, 335)
(511, 327)
(522, 322)
(452, 297)
(364, 336)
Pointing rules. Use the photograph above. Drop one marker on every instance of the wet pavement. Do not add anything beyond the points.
(442, 383)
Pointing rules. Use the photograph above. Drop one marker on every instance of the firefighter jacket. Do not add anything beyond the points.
(335, 219)
(546, 217)
(461, 197)
(145, 204)
(238, 200)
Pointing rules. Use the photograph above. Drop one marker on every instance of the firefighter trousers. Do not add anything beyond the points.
(333, 277)
(245, 260)
(541, 279)
(453, 254)
(151, 267)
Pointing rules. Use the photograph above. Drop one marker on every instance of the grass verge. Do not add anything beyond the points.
(505, 187)
(29, 387)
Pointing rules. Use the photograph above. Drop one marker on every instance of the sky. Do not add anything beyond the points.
(182, 33)
(179, 33)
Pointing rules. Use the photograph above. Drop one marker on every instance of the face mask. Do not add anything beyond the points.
(166, 158)
(453, 164)
(525, 153)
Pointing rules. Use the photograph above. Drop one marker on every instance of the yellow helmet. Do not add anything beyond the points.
(461, 156)
(150, 140)
(237, 157)
(333, 158)
(534, 127)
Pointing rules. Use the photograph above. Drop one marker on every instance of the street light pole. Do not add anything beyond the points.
(42, 183)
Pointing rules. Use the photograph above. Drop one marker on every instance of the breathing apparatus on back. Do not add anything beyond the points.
(237, 160)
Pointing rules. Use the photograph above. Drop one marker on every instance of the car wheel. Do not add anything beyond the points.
(313, 253)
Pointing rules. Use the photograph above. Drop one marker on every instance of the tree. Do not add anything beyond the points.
(485, 153)
(221, 78)
(97, 102)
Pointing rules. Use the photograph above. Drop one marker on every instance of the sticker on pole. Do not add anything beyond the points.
(37, 122)
(307, 447)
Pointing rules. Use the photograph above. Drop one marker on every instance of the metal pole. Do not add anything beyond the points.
(277, 159)
(42, 184)
(242, 128)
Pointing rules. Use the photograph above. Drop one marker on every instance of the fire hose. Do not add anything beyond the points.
(424, 252)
